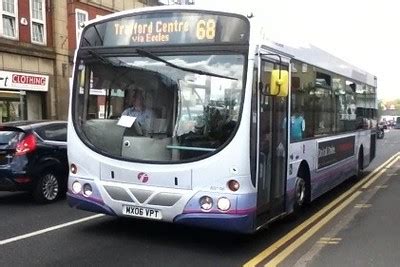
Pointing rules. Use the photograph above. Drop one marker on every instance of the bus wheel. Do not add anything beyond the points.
(360, 165)
(300, 195)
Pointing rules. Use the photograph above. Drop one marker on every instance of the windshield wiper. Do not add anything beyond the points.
(101, 58)
(107, 61)
(147, 54)
(118, 64)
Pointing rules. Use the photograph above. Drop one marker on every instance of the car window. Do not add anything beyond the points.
(9, 139)
(53, 132)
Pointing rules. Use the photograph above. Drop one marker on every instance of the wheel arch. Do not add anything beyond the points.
(360, 154)
(51, 163)
(305, 173)
(360, 161)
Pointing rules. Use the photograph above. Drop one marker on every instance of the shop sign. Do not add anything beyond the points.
(23, 81)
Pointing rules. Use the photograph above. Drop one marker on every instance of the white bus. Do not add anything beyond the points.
(230, 131)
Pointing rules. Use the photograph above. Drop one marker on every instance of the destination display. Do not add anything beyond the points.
(332, 151)
(167, 28)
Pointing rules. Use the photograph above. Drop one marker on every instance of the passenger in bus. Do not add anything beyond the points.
(298, 126)
(144, 116)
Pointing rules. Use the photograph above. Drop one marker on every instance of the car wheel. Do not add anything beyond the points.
(47, 188)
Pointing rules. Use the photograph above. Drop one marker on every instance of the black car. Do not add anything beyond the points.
(33, 157)
(383, 125)
(380, 131)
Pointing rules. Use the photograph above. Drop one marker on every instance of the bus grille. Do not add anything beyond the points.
(165, 199)
(160, 199)
(118, 193)
(141, 195)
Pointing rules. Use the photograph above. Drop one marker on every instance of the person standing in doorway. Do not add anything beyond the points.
(298, 126)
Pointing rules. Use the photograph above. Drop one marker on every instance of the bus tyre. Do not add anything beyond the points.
(300, 195)
(47, 188)
(360, 165)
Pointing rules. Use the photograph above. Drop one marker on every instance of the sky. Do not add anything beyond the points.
(365, 33)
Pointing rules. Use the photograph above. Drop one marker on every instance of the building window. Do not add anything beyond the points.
(9, 17)
(156, 2)
(81, 16)
(38, 21)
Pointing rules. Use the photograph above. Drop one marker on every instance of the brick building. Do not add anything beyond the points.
(37, 42)
(27, 60)
(79, 11)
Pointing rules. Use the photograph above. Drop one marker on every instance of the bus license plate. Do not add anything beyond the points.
(142, 212)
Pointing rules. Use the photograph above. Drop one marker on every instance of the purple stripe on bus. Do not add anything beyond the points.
(216, 211)
(321, 175)
(81, 202)
(93, 199)
(240, 204)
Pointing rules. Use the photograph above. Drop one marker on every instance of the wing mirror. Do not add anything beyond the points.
(279, 83)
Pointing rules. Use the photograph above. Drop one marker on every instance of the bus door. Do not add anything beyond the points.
(272, 141)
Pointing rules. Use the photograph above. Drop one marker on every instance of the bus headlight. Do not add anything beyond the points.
(224, 204)
(76, 187)
(233, 185)
(74, 169)
(87, 190)
(206, 203)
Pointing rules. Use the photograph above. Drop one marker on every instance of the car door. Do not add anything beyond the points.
(54, 141)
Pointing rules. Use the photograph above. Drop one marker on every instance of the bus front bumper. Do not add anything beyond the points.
(80, 202)
(223, 222)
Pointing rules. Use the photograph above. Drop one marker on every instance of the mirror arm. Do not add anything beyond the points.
(261, 85)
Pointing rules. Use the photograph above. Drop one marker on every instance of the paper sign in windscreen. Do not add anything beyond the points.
(126, 121)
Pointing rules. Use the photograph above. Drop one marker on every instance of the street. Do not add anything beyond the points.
(364, 232)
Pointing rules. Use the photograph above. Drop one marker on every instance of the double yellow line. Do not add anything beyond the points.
(277, 252)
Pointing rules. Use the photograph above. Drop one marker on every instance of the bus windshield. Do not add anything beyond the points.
(158, 107)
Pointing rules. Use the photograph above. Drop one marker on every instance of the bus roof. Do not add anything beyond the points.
(304, 52)
(168, 7)
(315, 56)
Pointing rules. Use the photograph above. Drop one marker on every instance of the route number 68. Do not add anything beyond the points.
(205, 29)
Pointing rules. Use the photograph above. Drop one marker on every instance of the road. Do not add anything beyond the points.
(50, 235)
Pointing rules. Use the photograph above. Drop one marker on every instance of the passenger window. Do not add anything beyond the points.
(55, 132)
(339, 91)
(350, 106)
(365, 103)
(302, 115)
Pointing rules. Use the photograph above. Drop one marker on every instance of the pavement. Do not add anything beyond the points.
(371, 238)
(367, 231)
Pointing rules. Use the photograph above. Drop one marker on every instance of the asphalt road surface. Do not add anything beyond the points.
(54, 235)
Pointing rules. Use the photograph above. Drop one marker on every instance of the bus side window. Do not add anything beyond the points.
(302, 83)
(350, 105)
(323, 100)
(265, 81)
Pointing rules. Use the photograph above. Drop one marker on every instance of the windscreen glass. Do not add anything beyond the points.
(158, 108)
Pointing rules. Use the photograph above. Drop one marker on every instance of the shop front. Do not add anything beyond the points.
(22, 96)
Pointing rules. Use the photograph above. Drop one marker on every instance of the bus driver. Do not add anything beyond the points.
(138, 109)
